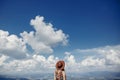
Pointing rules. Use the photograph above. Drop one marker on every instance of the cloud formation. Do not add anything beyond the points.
(35, 64)
(12, 46)
(45, 37)
(111, 54)
(107, 58)
(15, 56)
(40, 63)
(16, 59)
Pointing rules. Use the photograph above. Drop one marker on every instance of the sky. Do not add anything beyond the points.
(35, 34)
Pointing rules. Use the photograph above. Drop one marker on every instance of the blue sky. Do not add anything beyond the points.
(90, 24)
(84, 21)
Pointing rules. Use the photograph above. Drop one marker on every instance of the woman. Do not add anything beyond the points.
(59, 73)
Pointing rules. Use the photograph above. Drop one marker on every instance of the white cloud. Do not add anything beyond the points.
(41, 64)
(104, 59)
(3, 59)
(14, 52)
(35, 64)
(90, 61)
(70, 58)
(111, 54)
(12, 46)
(71, 64)
(14, 56)
(45, 37)
(107, 58)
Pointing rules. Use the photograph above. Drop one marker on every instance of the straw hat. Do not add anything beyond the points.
(60, 65)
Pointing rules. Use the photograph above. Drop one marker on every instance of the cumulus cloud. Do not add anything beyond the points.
(16, 59)
(107, 58)
(104, 58)
(71, 64)
(15, 56)
(40, 63)
(111, 54)
(45, 37)
(12, 46)
(3, 58)
(35, 64)
(91, 61)
(69, 58)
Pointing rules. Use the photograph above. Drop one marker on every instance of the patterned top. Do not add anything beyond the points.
(59, 75)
